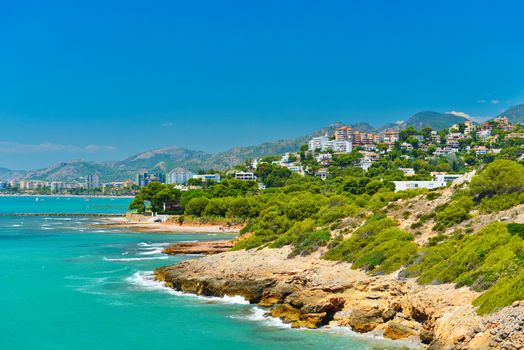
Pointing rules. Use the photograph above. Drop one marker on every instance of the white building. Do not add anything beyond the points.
(324, 144)
(245, 176)
(3, 185)
(447, 177)
(317, 143)
(179, 176)
(208, 177)
(411, 185)
(407, 171)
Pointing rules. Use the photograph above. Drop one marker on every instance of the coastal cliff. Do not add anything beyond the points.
(309, 292)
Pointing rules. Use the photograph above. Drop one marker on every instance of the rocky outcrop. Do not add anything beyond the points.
(309, 292)
(202, 247)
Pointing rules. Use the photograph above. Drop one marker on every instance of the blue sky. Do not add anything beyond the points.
(103, 80)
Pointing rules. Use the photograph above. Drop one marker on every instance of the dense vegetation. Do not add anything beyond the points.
(348, 214)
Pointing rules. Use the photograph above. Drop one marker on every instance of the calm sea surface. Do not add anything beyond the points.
(66, 285)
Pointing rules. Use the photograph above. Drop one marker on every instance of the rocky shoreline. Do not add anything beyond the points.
(311, 293)
(200, 247)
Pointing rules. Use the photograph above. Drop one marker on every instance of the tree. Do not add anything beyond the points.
(163, 198)
(196, 206)
(499, 177)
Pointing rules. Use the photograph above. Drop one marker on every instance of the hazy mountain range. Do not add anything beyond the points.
(165, 159)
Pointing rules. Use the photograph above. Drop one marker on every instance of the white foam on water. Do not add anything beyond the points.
(145, 280)
(259, 315)
(137, 259)
(16, 225)
(153, 251)
(60, 219)
(152, 245)
(376, 337)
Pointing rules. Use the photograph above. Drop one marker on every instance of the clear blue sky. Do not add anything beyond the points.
(102, 80)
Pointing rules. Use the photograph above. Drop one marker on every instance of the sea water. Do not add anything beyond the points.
(65, 284)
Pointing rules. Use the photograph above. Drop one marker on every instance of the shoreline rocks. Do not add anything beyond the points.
(204, 247)
(309, 292)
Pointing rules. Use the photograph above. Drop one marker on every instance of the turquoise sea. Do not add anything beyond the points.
(66, 285)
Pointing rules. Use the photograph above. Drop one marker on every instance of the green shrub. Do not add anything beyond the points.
(499, 177)
(516, 229)
(477, 260)
(501, 202)
(432, 195)
(453, 213)
(506, 291)
(309, 242)
(378, 246)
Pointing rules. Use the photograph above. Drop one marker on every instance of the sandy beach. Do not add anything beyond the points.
(168, 228)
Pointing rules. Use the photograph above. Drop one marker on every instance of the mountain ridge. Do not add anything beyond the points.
(166, 158)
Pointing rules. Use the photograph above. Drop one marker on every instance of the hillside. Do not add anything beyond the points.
(515, 114)
(434, 120)
(165, 159)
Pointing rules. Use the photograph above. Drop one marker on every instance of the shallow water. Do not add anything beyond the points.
(64, 285)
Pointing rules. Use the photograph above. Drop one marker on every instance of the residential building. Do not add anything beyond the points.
(480, 150)
(407, 171)
(411, 185)
(56, 186)
(207, 177)
(142, 180)
(446, 177)
(365, 138)
(322, 173)
(435, 137)
(3, 185)
(344, 133)
(323, 156)
(323, 144)
(337, 146)
(391, 136)
(93, 181)
(245, 176)
(317, 143)
(179, 176)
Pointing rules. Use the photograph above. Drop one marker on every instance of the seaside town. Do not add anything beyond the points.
(426, 158)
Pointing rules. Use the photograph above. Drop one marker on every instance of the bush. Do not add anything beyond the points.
(505, 292)
(307, 243)
(501, 202)
(453, 213)
(378, 246)
(477, 260)
(499, 177)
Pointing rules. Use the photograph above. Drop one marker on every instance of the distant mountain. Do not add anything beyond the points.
(515, 114)
(165, 159)
(6, 174)
(434, 120)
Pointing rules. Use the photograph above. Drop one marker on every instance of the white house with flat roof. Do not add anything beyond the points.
(208, 177)
(412, 185)
(245, 176)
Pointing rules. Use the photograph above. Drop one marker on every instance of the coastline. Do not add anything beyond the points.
(167, 228)
(308, 292)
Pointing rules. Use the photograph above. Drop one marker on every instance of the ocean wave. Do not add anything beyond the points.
(371, 336)
(154, 251)
(137, 259)
(144, 245)
(145, 280)
(259, 315)
(16, 225)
